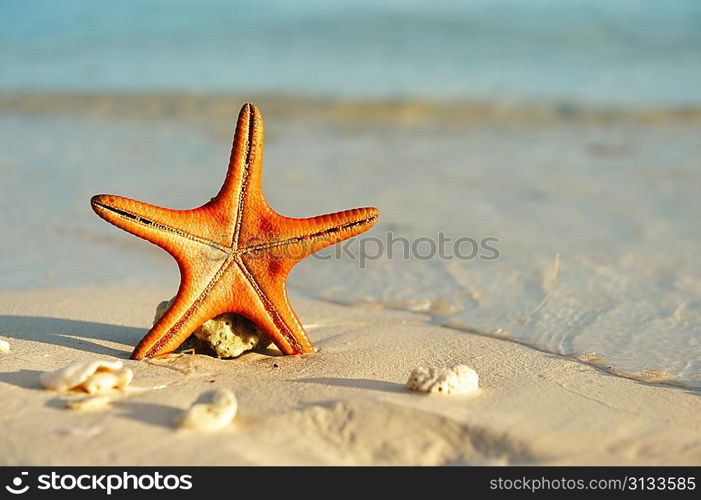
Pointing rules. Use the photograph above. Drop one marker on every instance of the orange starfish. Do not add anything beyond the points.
(234, 252)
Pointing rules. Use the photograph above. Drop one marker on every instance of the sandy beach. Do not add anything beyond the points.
(345, 404)
(534, 175)
(583, 332)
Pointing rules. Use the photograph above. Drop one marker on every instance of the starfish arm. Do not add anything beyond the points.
(273, 314)
(267, 265)
(161, 226)
(256, 222)
(196, 302)
(242, 181)
(294, 239)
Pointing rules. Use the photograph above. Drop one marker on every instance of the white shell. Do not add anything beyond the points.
(458, 379)
(4, 347)
(90, 376)
(216, 414)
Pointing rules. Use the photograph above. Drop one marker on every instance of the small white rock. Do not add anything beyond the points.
(458, 379)
(216, 414)
(4, 347)
(90, 376)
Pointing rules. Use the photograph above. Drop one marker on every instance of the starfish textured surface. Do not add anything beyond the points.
(234, 252)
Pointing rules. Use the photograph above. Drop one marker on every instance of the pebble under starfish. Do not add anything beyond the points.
(234, 252)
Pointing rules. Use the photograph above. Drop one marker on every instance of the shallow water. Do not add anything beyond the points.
(596, 223)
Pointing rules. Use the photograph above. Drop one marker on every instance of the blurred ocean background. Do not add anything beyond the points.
(597, 52)
(568, 130)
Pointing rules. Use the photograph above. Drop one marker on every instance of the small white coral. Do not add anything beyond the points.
(4, 347)
(229, 335)
(213, 415)
(458, 379)
(93, 377)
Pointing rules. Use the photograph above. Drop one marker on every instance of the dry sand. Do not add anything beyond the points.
(345, 404)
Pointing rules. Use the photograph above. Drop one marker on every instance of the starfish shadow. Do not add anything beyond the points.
(356, 383)
(70, 333)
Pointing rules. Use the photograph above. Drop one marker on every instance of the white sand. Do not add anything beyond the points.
(345, 404)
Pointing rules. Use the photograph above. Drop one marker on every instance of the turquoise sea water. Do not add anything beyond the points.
(624, 53)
